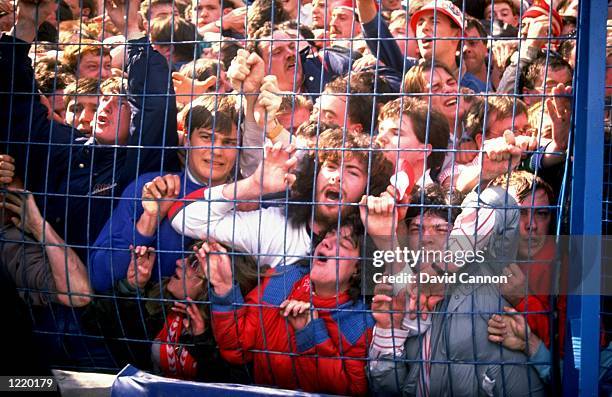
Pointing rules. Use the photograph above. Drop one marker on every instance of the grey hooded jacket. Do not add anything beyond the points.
(463, 361)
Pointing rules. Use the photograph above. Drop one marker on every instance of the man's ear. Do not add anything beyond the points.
(142, 23)
(186, 138)
(478, 140)
(357, 128)
(427, 149)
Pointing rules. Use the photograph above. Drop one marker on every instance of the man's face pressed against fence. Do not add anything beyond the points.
(280, 59)
(554, 76)
(90, 67)
(338, 184)
(335, 261)
(81, 112)
(497, 126)
(332, 109)
(444, 83)
(187, 281)
(206, 11)
(428, 231)
(211, 159)
(534, 224)
(474, 51)
(399, 134)
(112, 123)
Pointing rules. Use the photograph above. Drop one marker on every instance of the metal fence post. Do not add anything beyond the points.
(581, 364)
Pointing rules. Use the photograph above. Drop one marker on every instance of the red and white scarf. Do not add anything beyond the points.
(174, 359)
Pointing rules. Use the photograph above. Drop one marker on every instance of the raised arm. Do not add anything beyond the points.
(375, 27)
(246, 74)
(143, 206)
(235, 326)
(213, 214)
(153, 129)
(69, 273)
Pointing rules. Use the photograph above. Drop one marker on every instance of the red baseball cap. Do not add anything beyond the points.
(442, 6)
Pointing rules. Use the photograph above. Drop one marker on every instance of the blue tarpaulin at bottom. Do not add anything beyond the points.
(133, 382)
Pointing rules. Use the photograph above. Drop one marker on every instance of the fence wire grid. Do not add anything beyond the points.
(348, 197)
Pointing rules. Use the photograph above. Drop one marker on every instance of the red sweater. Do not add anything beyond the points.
(328, 355)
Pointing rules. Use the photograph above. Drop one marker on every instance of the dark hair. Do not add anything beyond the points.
(510, 3)
(146, 6)
(417, 77)
(500, 106)
(229, 50)
(80, 87)
(246, 274)
(212, 112)
(265, 12)
(420, 114)
(474, 23)
(304, 30)
(311, 129)
(178, 32)
(535, 71)
(200, 69)
(359, 107)
(524, 183)
(64, 12)
(566, 49)
(92, 6)
(353, 221)
(435, 200)
(50, 75)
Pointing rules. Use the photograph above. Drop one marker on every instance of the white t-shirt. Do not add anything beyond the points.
(265, 233)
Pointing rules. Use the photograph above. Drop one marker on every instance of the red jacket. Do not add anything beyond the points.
(539, 273)
(253, 330)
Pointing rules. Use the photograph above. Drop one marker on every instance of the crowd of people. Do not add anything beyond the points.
(200, 187)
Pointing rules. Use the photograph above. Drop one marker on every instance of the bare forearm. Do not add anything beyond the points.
(147, 224)
(250, 101)
(69, 273)
(467, 179)
(24, 30)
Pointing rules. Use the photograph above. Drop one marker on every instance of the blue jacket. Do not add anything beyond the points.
(314, 81)
(76, 183)
(383, 45)
(110, 256)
